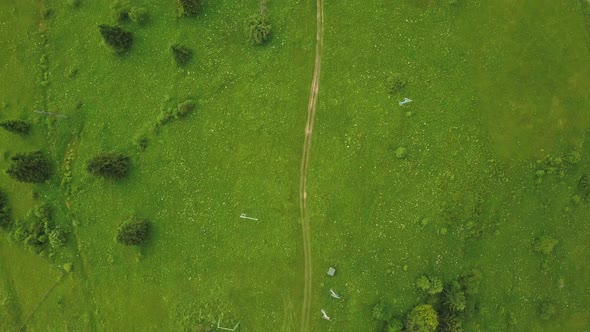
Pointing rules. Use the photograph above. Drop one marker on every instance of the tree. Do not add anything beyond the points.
(19, 127)
(118, 39)
(258, 29)
(382, 311)
(4, 210)
(109, 165)
(182, 54)
(454, 298)
(423, 318)
(31, 167)
(432, 285)
(188, 7)
(133, 232)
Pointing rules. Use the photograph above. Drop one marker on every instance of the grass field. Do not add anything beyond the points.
(496, 141)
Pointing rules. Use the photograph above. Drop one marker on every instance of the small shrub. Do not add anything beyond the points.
(120, 10)
(185, 108)
(133, 232)
(423, 283)
(423, 318)
(547, 310)
(4, 210)
(401, 153)
(182, 54)
(382, 311)
(395, 83)
(188, 7)
(142, 143)
(73, 3)
(109, 165)
(545, 245)
(32, 167)
(118, 39)
(139, 15)
(395, 325)
(19, 127)
(258, 29)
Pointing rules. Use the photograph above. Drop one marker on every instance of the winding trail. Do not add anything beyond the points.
(311, 109)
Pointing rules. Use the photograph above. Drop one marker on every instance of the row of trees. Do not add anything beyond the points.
(257, 27)
(35, 167)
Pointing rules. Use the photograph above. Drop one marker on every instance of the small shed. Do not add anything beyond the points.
(331, 271)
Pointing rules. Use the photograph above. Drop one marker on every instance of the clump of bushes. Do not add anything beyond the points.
(4, 210)
(431, 285)
(31, 167)
(118, 39)
(395, 83)
(133, 232)
(73, 3)
(423, 318)
(38, 232)
(182, 54)
(188, 7)
(120, 10)
(181, 111)
(109, 165)
(258, 29)
(19, 127)
(545, 245)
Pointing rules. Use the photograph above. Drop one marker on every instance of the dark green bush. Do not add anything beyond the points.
(182, 54)
(188, 7)
(4, 210)
(31, 167)
(16, 126)
(185, 108)
(118, 39)
(395, 83)
(258, 29)
(133, 232)
(109, 165)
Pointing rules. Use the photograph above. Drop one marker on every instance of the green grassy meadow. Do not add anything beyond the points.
(497, 139)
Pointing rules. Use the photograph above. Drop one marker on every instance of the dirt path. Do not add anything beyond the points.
(311, 108)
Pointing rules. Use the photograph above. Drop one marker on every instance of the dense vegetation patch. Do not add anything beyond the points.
(133, 232)
(31, 167)
(38, 231)
(109, 165)
(16, 126)
(118, 39)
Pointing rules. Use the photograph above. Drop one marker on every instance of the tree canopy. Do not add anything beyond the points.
(31, 167)
(19, 127)
(109, 165)
(133, 232)
(118, 39)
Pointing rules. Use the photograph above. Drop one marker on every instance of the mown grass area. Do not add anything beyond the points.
(238, 152)
(497, 88)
